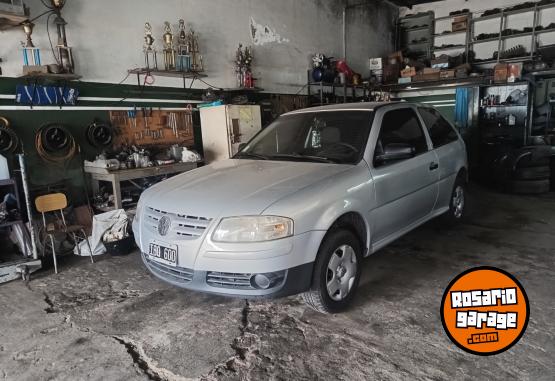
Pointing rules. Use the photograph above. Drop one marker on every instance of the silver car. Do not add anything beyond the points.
(301, 205)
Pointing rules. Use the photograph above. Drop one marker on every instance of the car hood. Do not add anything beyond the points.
(236, 186)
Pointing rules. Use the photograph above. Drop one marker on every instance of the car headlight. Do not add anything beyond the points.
(253, 229)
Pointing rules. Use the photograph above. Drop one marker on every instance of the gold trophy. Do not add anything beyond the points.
(151, 61)
(31, 54)
(169, 51)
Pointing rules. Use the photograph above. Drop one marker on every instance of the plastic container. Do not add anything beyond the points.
(121, 247)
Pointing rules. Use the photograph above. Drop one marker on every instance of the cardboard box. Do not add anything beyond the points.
(430, 70)
(441, 62)
(514, 72)
(501, 72)
(396, 57)
(376, 63)
(391, 73)
(459, 23)
(422, 77)
(408, 72)
(447, 74)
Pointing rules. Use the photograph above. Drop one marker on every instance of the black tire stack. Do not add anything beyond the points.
(531, 172)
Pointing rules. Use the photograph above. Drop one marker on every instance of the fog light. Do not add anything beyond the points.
(260, 281)
(267, 280)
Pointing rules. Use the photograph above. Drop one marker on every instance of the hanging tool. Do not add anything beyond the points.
(132, 114)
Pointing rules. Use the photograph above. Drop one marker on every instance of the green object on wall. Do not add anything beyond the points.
(25, 122)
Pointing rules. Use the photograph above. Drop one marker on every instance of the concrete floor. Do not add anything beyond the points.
(113, 321)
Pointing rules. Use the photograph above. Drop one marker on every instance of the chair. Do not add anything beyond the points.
(58, 202)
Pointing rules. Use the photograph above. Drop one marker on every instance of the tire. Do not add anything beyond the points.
(535, 156)
(533, 173)
(457, 203)
(334, 252)
(530, 186)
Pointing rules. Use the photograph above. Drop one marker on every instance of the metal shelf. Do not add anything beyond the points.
(52, 76)
(448, 33)
(452, 16)
(168, 73)
(435, 49)
(515, 12)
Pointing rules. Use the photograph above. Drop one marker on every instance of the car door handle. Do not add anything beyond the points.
(434, 166)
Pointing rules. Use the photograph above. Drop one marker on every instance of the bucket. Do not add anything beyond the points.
(121, 247)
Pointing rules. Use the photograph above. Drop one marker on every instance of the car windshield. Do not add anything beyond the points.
(326, 136)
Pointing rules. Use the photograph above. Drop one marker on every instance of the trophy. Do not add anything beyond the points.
(183, 62)
(151, 61)
(31, 54)
(169, 52)
(196, 57)
(243, 61)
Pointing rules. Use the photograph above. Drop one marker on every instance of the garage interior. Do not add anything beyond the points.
(100, 101)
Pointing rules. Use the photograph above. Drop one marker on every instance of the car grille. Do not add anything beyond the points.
(229, 280)
(182, 226)
(175, 274)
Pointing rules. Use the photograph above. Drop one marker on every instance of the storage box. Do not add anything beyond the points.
(421, 77)
(430, 70)
(459, 23)
(501, 73)
(404, 80)
(376, 63)
(391, 73)
(514, 72)
(447, 74)
(408, 72)
(441, 62)
(396, 57)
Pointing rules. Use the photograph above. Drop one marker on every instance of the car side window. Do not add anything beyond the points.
(440, 131)
(401, 137)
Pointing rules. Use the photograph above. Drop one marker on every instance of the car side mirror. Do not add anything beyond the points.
(242, 145)
(396, 151)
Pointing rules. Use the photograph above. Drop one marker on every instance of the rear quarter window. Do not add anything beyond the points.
(440, 130)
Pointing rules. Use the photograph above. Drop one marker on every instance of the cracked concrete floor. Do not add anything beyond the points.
(113, 321)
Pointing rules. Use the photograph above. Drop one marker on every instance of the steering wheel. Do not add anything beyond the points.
(341, 144)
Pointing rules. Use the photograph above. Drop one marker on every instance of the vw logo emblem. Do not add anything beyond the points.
(164, 225)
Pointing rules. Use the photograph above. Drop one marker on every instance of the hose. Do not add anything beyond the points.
(54, 143)
(8, 138)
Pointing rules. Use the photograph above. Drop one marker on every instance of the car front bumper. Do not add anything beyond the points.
(290, 281)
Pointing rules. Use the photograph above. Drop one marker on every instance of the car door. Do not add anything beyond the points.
(405, 189)
(447, 146)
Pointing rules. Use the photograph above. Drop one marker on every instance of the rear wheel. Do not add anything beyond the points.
(336, 272)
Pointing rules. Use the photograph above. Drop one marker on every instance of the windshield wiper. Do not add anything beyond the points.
(318, 159)
(250, 155)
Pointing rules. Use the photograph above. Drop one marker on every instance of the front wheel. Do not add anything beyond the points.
(336, 272)
(457, 203)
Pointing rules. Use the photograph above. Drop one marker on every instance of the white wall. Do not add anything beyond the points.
(485, 50)
(107, 37)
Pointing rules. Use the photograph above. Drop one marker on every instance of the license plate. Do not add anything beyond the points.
(163, 253)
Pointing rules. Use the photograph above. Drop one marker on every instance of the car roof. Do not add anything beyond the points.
(360, 106)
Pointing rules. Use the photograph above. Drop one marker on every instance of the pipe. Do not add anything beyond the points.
(28, 204)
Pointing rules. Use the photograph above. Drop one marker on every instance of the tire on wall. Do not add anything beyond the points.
(336, 272)
(533, 173)
(530, 186)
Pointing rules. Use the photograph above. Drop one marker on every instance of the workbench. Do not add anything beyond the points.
(117, 176)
